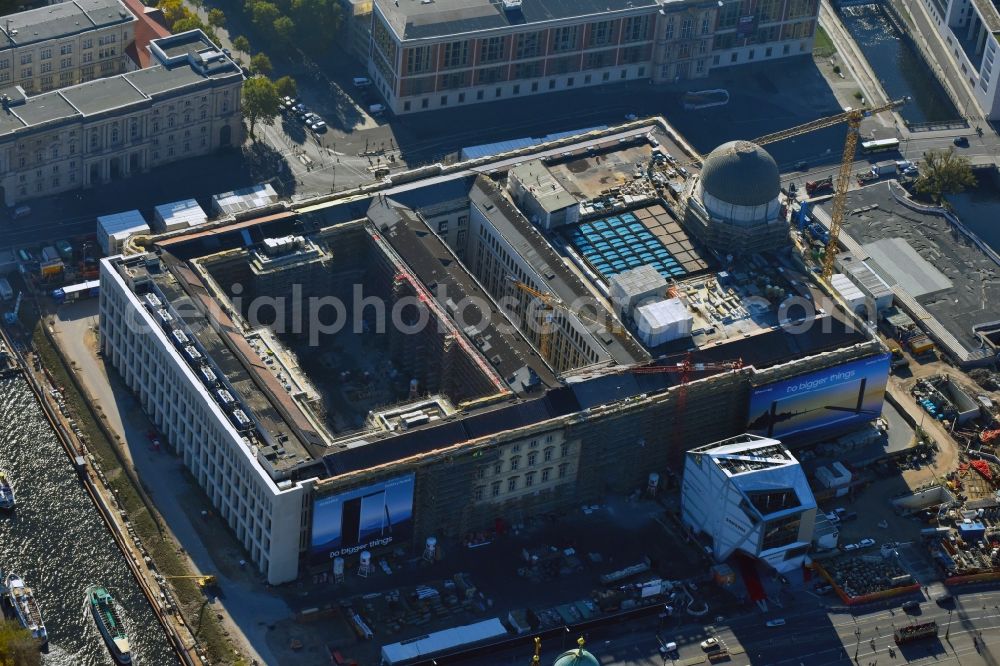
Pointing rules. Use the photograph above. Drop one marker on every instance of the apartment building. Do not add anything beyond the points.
(970, 28)
(64, 44)
(186, 104)
(432, 55)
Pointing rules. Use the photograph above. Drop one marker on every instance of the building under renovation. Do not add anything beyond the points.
(434, 359)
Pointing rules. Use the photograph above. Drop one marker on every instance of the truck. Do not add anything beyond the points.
(885, 168)
(814, 187)
(915, 632)
(920, 344)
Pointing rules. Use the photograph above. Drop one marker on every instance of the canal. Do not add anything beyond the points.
(57, 542)
(898, 65)
(977, 208)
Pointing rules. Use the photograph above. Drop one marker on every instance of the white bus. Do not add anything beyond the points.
(880, 146)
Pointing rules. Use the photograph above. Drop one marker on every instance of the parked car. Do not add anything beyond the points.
(318, 126)
(776, 622)
(832, 517)
(866, 543)
(961, 141)
(824, 589)
(710, 644)
(376, 109)
(911, 606)
(21, 211)
(851, 547)
(361, 81)
(668, 648)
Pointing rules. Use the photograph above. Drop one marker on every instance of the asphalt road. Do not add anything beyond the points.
(812, 636)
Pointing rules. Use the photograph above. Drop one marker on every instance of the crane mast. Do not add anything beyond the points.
(853, 119)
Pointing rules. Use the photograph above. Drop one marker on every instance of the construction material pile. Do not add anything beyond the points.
(860, 576)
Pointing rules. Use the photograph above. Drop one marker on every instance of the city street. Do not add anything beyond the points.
(812, 636)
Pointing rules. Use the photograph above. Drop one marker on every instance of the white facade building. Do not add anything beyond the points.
(267, 514)
(970, 29)
(749, 494)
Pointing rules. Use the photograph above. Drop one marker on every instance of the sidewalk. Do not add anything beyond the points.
(245, 607)
(935, 53)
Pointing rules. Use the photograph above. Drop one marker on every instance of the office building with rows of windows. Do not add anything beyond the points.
(453, 52)
(186, 103)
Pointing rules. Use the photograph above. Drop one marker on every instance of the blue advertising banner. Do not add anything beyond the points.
(363, 518)
(834, 398)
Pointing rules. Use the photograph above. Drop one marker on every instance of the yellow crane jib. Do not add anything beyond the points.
(853, 119)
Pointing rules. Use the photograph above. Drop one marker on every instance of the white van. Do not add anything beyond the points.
(21, 211)
(362, 81)
(668, 648)
(376, 109)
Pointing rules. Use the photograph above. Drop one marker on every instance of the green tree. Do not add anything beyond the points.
(263, 15)
(287, 87)
(944, 172)
(261, 64)
(284, 28)
(241, 43)
(216, 18)
(173, 11)
(260, 102)
(17, 648)
(317, 20)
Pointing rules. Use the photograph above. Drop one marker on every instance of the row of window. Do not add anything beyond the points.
(517, 482)
(65, 50)
(516, 89)
(527, 45)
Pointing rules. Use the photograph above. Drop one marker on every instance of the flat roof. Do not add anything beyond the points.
(101, 95)
(243, 369)
(123, 223)
(413, 19)
(971, 299)
(63, 19)
(537, 179)
(904, 266)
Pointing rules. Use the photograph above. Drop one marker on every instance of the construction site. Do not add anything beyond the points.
(416, 373)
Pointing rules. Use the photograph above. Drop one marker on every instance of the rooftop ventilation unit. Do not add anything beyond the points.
(164, 316)
(192, 353)
(241, 420)
(180, 337)
(225, 397)
(511, 5)
(208, 375)
(153, 301)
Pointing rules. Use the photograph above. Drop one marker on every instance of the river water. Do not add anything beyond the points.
(979, 210)
(59, 545)
(902, 70)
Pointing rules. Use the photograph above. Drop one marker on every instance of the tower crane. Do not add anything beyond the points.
(556, 303)
(853, 119)
(684, 369)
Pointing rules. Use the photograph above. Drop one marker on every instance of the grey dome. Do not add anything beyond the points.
(742, 174)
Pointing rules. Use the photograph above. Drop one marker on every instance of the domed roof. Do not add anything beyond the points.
(577, 657)
(741, 173)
